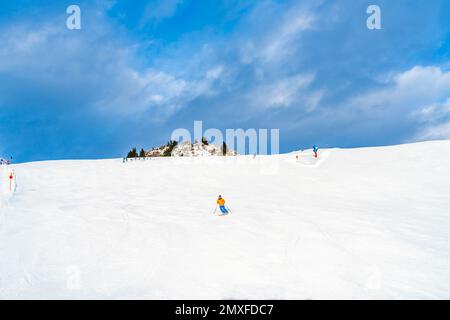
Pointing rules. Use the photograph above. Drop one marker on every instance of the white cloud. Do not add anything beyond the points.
(134, 93)
(282, 39)
(437, 132)
(160, 9)
(59, 60)
(412, 89)
(434, 112)
(279, 38)
(286, 92)
(436, 118)
(21, 42)
(421, 94)
(215, 72)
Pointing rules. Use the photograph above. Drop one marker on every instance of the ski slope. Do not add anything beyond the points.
(369, 223)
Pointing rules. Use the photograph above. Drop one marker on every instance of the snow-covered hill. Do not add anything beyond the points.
(361, 223)
(189, 149)
(198, 149)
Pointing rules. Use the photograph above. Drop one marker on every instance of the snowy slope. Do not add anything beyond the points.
(362, 223)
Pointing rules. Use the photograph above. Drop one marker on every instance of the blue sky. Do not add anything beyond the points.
(137, 70)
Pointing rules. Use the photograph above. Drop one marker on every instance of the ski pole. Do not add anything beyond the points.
(215, 209)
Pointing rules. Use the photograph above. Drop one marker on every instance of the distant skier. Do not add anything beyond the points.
(221, 204)
(315, 150)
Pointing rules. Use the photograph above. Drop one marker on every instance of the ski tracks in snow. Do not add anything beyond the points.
(306, 158)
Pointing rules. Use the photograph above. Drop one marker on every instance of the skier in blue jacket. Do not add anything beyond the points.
(315, 149)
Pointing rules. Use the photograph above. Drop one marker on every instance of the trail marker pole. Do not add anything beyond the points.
(11, 177)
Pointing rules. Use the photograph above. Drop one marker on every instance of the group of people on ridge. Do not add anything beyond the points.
(315, 150)
(3, 161)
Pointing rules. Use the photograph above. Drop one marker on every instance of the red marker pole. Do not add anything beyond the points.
(11, 177)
